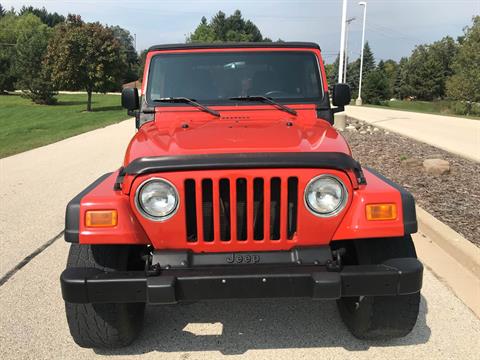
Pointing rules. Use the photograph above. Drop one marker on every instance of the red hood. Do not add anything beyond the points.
(269, 130)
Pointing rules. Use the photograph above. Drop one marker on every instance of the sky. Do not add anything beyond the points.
(393, 28)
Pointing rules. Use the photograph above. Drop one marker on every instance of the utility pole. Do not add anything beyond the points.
(359, 98)
(135, 42)
(342, 42)
(346, 49)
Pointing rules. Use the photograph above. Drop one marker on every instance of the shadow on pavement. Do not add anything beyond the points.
(234, 327)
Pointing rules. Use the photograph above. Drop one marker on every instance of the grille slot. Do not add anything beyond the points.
(292, 207)
(241, 209)
(275, 208)
(258, 208)
(225, 227)
(207, 209)
(190, 210)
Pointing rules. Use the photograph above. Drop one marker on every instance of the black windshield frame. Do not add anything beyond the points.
(148, 98)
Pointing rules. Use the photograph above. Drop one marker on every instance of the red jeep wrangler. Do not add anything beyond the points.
(236, 185)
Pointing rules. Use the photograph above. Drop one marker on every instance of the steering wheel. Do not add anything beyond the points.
(277, 93)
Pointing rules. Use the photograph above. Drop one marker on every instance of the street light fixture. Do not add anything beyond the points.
(359, 98)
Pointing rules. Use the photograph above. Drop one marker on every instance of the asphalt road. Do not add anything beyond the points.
(34, 188)
(457, 135)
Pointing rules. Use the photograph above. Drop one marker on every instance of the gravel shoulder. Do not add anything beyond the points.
(453, 197)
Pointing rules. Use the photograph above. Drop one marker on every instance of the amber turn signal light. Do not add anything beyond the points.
(101, 218)
(381, 211)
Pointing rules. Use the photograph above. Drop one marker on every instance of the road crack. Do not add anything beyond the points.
(29, 258)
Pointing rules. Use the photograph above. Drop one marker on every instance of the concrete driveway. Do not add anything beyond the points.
(34, 189)
(454, 134)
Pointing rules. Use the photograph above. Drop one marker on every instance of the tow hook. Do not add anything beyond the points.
(336, 263)
(151, 269)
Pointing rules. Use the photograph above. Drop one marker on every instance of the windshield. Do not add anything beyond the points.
(214, 78)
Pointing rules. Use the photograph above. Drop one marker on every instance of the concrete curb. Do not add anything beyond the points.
(450, 241)
(415, 137)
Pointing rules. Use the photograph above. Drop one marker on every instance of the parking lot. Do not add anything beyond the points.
(35, 187)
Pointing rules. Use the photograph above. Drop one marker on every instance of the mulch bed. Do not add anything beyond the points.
(453, 198)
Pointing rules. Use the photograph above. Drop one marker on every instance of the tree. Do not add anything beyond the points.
(7, 52)
(142, 59)
(2, 11)
(353, 76)
(49, 19)
(331, 71)
(353, 69)
(428, 68)
(376, 88)
(226, 29)
(32, 41)
(129, 52)
(391, 71)
(400, 90)
(368, 60)
(84, 56)
(464, 84)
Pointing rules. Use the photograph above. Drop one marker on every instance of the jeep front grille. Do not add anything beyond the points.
(241, 209)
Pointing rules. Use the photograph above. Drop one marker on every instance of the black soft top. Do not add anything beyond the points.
(223, 45)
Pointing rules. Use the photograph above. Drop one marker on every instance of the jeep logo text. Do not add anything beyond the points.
(242, 259)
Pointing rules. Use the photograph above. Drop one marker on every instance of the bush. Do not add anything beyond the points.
(465, 108)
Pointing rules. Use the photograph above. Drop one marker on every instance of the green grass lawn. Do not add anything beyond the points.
(25, 125)
(440, 107)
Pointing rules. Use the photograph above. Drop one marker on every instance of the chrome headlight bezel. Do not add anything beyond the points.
(340, 206)
(141, 209)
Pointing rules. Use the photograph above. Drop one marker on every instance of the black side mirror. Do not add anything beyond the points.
(341, 95)
(130, 99)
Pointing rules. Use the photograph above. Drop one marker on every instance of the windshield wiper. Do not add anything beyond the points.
(188, 101)
(264, 99)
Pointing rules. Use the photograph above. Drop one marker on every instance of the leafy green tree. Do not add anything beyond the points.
(400, 78)
(7, 52)
(142, 59)
(129, 52)
(331, 71)
(428, 68)
(49, 19)
(376, 86)
(391, 70)
(32, 42)
(85, 56)
(464, 84)
(2, 11)
(226, 29)
(353, 76)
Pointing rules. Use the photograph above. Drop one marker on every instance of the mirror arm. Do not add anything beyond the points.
(338, 109)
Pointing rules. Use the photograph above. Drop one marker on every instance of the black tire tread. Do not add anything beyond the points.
(102, 325)
(382, 317)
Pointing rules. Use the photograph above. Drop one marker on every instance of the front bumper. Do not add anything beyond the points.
(394, 277)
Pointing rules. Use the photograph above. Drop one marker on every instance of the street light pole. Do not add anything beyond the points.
(359, 98)
(346, 49)
(342, 42)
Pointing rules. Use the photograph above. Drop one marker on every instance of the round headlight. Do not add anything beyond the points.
(325, 195)
(157, 199)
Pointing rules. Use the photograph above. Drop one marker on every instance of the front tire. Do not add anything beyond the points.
(381, 317)
(104, 325)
